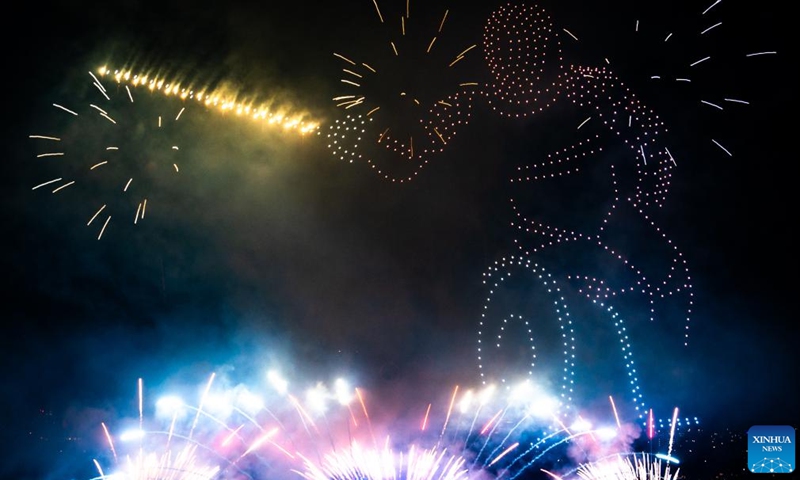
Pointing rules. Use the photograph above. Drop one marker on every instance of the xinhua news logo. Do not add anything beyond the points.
(770, 449)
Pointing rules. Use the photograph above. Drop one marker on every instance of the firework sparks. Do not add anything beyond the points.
(179, 464)
(130, 149)
(401, 89)
(233, 431)
(693, 61)
(630, 467)
(358, 463)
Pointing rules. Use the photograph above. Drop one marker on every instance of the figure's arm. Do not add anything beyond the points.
(603, 94)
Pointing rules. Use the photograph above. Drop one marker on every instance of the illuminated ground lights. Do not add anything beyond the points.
(331, 433)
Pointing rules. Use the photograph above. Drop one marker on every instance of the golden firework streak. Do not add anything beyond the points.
(283, 116)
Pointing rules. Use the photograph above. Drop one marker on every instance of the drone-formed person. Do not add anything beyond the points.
(610, 255)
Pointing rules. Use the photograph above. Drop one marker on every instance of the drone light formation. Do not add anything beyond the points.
(415, 92)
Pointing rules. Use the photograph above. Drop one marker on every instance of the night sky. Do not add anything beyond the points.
(267, 249)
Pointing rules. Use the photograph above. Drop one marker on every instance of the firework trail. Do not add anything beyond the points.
(222, 99)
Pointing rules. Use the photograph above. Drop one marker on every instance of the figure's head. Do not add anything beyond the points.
(523, 53)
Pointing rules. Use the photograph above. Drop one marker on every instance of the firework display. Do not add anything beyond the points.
(619, 467)
(137, 121)
(330, 432)
(586, 293)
